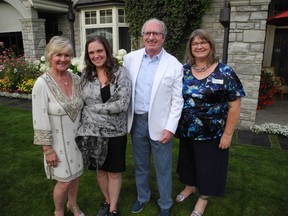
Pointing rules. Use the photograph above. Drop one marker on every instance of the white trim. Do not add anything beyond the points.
(269, 42)
(49, 6)
(114, 25)
(25, 12)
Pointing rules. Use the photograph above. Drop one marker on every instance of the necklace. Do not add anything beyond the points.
(65, 81)
(202, 69)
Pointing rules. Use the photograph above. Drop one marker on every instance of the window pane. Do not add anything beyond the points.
(90, 17)
(102, 20)
(93, 14)
(109, 13)
(102, 13)
(109, 20)
(106, 16)
(121, 16)
(105, 32)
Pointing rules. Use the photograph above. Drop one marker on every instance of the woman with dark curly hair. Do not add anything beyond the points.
(102, 135)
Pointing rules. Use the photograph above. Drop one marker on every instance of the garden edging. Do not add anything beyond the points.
(15, 95)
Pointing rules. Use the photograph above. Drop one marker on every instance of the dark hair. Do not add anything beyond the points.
(204, 35)
(111, 64)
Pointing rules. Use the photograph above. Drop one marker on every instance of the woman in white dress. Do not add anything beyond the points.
(56, 106)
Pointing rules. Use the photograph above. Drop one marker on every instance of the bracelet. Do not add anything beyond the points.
(49, 151)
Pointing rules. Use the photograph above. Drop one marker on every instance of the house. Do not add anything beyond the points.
(251, 43)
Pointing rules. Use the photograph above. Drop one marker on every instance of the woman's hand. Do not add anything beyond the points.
(52, 159)
(225, 141)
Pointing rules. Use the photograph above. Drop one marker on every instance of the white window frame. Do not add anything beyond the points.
(114, 25)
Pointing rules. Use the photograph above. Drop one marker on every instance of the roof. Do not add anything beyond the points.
(56, 6)
(88, 3)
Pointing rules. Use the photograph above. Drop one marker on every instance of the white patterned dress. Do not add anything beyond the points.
(55, 120)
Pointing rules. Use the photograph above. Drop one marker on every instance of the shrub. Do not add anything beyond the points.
(266, 89)
(26, 86)
(14, 71)
(18, 75)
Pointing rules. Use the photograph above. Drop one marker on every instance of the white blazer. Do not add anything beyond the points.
(166, 99)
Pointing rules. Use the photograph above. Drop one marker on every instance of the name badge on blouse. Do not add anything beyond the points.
(217, 81)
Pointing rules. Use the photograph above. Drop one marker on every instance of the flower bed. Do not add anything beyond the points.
(270, 128)
(18, 75)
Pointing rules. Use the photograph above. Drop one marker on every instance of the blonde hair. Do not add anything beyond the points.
(57, 44)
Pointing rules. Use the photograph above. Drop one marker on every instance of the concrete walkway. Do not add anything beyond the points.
(243, 137)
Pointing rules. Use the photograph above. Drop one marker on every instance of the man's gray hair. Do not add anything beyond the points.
(164, 28)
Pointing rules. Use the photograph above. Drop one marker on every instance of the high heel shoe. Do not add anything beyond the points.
(181, 197)
(74, 209)
(201, 205)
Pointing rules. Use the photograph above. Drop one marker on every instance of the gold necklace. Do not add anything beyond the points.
(202, 69)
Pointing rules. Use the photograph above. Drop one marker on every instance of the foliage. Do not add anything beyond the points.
(180, 16)
(16, 72)
(120, 55)
(270, 128)
(25, 86)
(18, 75)
(77, 64)
(266, 89)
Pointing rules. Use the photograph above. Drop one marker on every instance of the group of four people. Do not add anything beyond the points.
(84, 121)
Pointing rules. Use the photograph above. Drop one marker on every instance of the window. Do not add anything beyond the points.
(106, 16)
(90, 17)
(104, 32)
(121, 16)
(109, 22)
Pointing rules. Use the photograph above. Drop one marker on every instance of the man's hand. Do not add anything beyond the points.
(166, 136)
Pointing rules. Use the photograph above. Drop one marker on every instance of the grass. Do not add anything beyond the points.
(256, 184)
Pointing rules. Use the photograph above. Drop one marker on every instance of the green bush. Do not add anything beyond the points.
(180, 16)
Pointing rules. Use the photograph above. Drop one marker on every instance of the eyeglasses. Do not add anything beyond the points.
(202, 44)
(147, 34)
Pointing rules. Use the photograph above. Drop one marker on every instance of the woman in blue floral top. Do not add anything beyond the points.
(212, 96)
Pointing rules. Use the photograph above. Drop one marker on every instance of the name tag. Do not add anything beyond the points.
(217, 81)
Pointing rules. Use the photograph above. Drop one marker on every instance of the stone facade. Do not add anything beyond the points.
(33, 33)
(246, 46)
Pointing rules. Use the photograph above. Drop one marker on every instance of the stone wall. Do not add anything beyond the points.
(65, 26)
(33, 33)
(246, 47)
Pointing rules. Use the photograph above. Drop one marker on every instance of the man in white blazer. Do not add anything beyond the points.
(154, 111)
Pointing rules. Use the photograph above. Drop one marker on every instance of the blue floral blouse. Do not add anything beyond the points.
(205, 106)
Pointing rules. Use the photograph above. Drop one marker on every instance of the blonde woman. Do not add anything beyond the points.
(56, 105)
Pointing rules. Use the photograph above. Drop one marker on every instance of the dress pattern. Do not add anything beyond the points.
(206, 106)
(55, 121)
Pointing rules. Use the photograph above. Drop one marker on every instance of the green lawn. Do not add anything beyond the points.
(257, 179)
